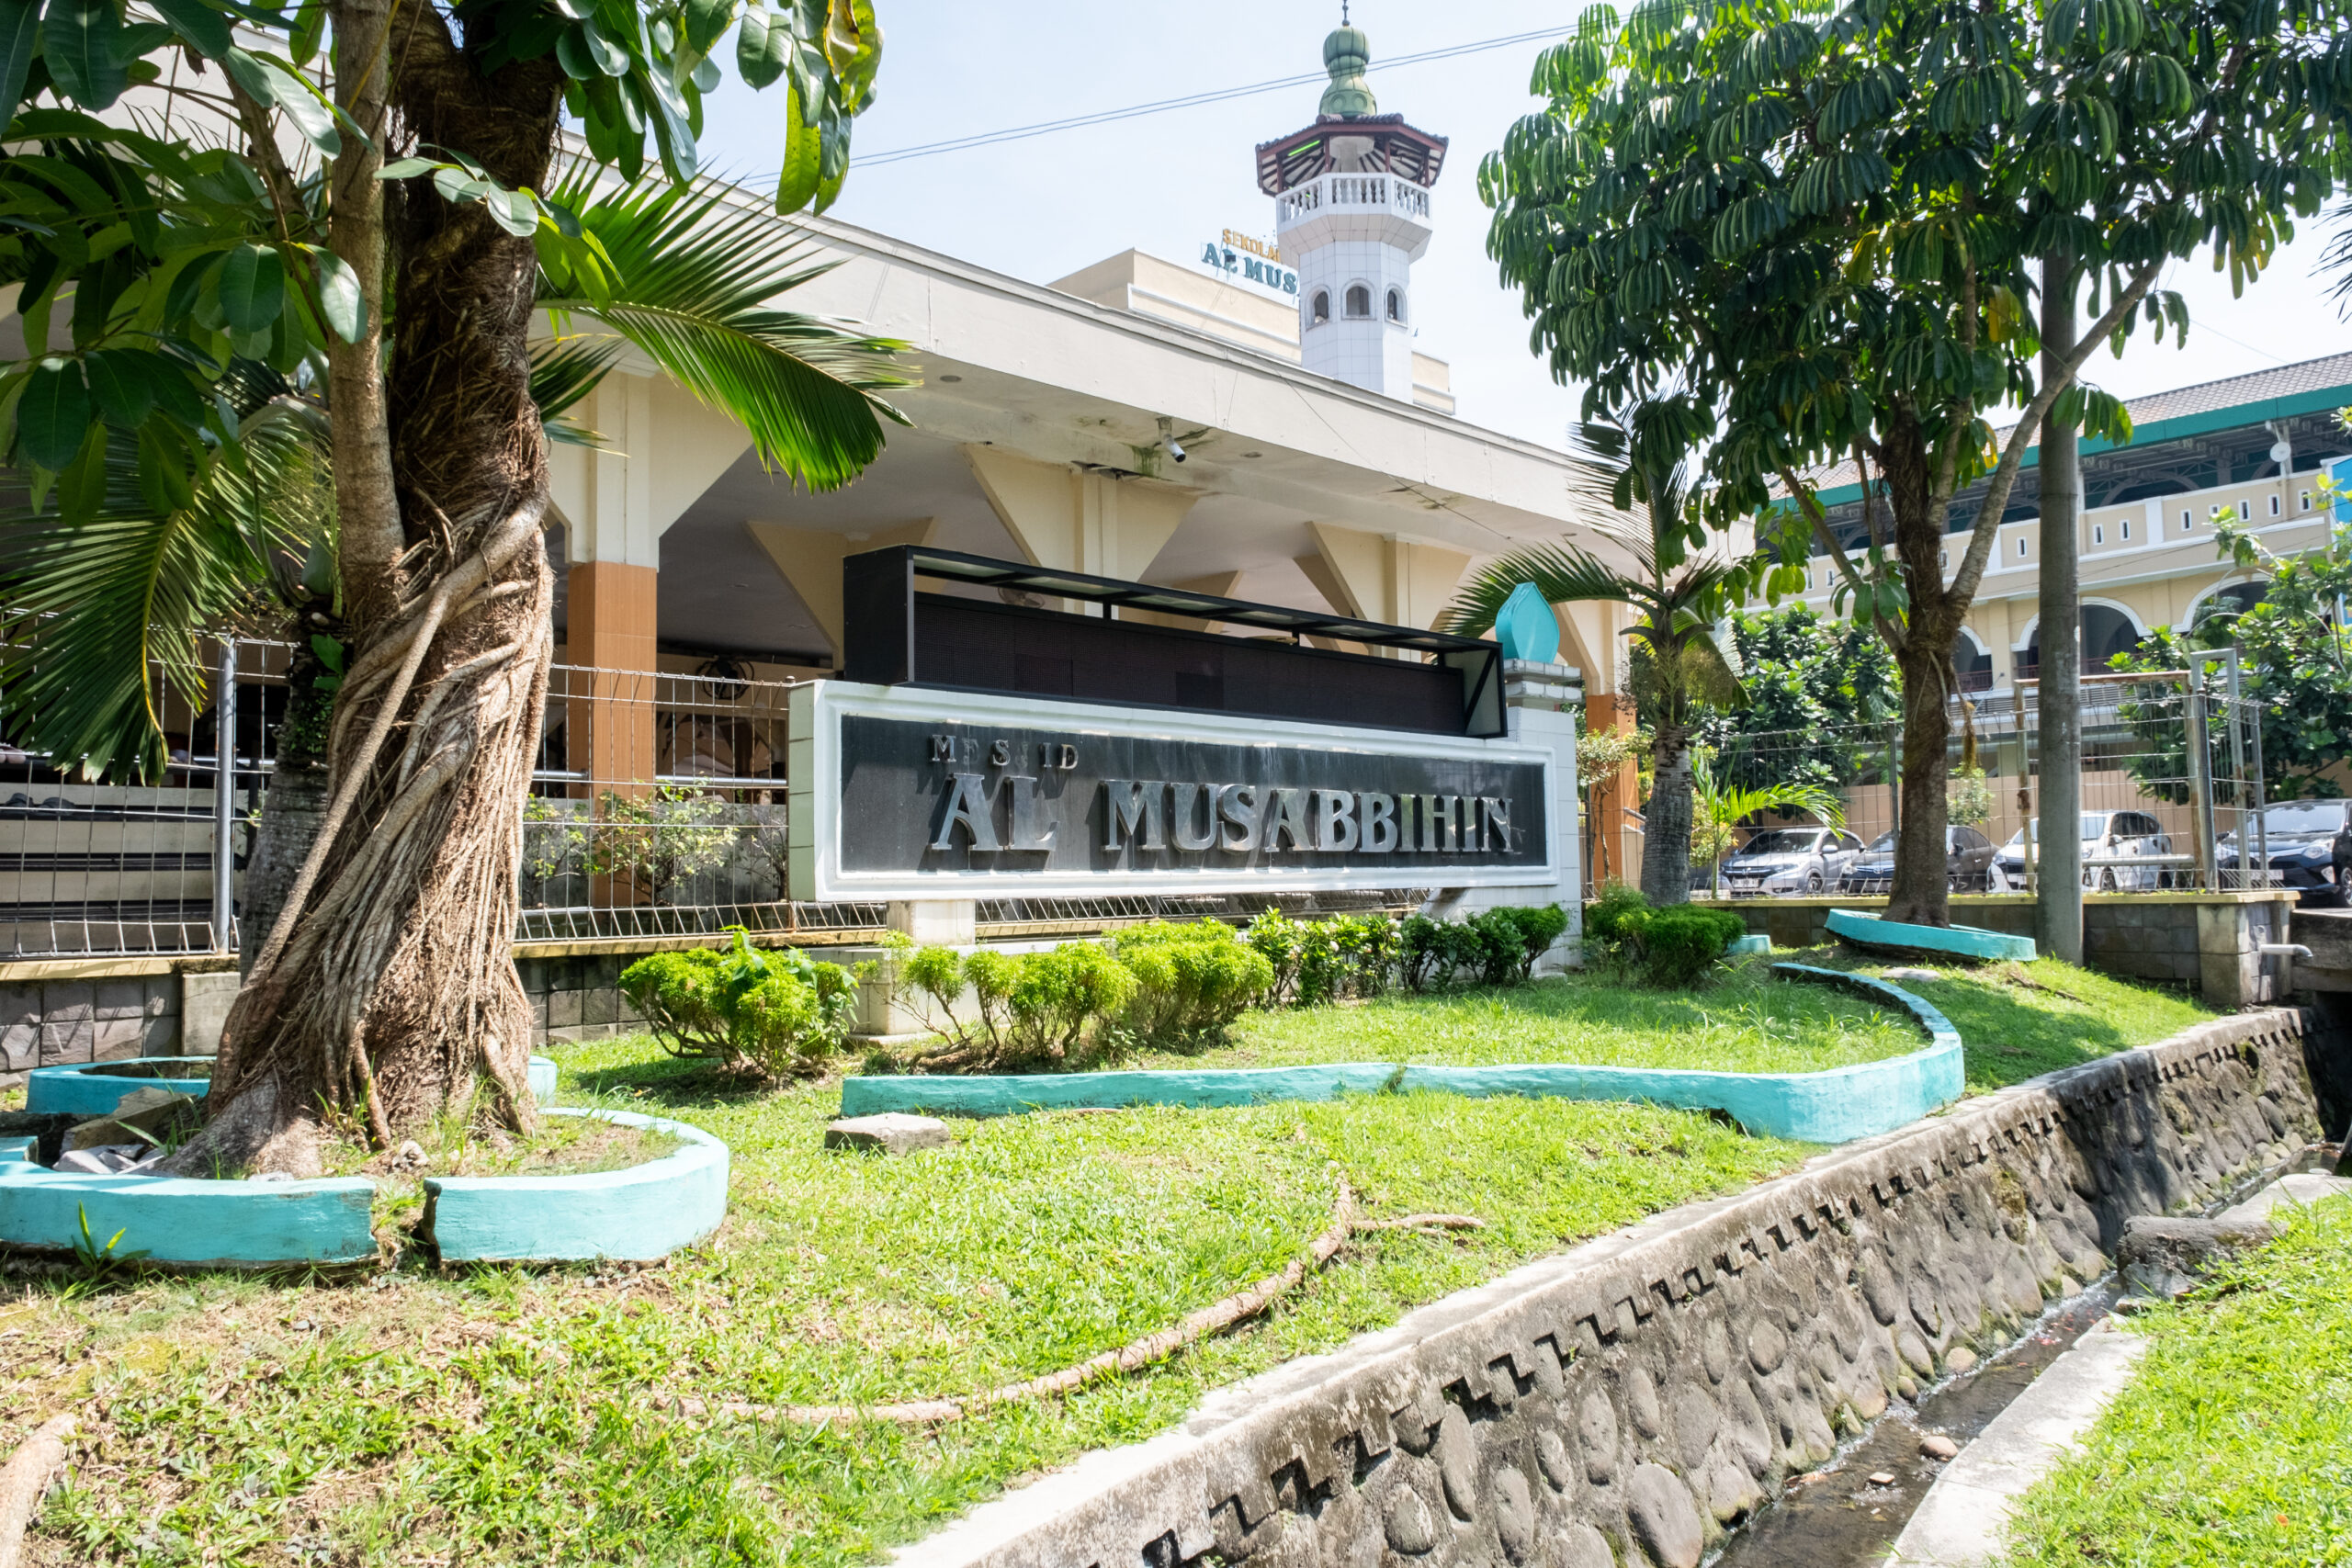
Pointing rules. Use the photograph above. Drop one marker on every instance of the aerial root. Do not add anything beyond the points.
(1346, 1225)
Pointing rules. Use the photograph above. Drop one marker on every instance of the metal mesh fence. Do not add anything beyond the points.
(2159, 813)
(656, 810)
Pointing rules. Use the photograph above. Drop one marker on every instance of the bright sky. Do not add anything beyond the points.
(1042, 208)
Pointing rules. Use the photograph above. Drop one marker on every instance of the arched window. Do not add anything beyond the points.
(1322, 306)
(1359, 302)
(1396, 304)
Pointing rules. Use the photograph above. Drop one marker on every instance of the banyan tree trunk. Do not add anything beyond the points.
(387, 994)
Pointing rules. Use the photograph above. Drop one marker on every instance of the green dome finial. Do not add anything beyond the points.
(1345, 54)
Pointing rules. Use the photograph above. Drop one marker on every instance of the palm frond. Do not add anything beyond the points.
(695, 275)
(94, 606)
(1563, 573)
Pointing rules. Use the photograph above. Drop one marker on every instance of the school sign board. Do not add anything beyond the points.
(907, 793)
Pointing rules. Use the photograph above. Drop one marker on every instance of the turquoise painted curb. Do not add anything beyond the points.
(232, 1225)
(1833, 1107)
(644, 1213)
(14, 1149)
(83, 1092)
(1866, 929)
(1741, 945)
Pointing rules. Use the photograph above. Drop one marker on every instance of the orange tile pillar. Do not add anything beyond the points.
(608, 718)
(1616, 851)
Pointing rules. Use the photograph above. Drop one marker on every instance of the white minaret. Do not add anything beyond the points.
(1352, 213)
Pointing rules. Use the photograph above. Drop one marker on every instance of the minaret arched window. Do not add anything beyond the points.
(1322, 308)
(1396, 304)
(1359, 302)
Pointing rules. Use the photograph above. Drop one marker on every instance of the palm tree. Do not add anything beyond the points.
(692, 276)
(1717, 807)
(1677, 665)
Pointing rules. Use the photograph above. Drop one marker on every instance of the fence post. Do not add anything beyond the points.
(224, 802)
(2195, 745)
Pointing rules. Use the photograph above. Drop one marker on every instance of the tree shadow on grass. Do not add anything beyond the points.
(676, 1082)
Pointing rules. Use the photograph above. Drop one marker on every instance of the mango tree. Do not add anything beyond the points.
(1822, 220)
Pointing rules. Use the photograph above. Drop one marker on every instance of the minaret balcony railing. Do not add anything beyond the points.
(1352, 193)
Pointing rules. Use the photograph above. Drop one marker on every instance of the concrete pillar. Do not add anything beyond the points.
(660, 451)
(608, 720)
(1102, 525)
(1380, 577)
(1543, 704)
(1615, 797)
(810, 561)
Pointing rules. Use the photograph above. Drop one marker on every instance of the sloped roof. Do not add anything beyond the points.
(2188, 410)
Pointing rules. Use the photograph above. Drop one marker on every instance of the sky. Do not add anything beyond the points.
(1043, 208)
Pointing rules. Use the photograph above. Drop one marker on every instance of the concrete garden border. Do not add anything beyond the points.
(1865, 930)
(1834, 1105)
(188, 1222)
(637, 1215)
(94, 1088)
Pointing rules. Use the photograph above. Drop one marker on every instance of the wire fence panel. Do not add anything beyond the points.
(658, 809)
(2159, 813)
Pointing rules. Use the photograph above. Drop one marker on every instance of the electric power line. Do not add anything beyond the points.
(1193, 100)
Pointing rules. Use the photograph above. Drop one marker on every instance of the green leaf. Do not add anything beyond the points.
(310, 27)
(53, 415)
(406, 168)
(163, 482)
(79, 41)
(572, 53)
(19, 33)
(803, 158)
(762, 44)
(609, 56)
(120, 387)
(270, 85)
(253, 287)
(206, 29)
(340, 301)
(706, 23)
(82, 485)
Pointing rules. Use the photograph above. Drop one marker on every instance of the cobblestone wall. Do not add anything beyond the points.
(1628, 1400)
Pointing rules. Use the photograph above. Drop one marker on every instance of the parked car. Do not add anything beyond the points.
(1968, 861)
(2301, 837)
(1789, 860)
(2107, 836)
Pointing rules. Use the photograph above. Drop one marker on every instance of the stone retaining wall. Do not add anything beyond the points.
(1637, 1395)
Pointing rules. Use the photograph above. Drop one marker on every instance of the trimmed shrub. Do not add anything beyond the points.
(1034, 1005)
(1671, 948)
(773, 1011)
(1495, 947)
(1321, 961)
(1192, 981)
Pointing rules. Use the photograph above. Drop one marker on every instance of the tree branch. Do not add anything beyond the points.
(371, 538)
(2028, 426)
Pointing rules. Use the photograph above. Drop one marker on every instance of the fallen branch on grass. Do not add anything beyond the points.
(1346, 1224)
(24, 1478)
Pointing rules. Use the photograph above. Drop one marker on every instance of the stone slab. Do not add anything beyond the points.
(892, 1132)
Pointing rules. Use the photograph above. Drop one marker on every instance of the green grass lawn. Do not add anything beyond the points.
(2232, 1447)
(503, 1416)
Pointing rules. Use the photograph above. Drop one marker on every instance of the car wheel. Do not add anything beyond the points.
(2107, 880)
(1813, 883)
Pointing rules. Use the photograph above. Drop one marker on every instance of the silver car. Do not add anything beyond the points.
(1788, 861)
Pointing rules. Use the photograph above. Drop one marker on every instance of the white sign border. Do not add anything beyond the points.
(813, 796)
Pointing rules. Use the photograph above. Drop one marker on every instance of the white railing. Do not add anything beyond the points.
(1359, 192)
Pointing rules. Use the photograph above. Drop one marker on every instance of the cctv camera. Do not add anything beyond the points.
(1175, 451)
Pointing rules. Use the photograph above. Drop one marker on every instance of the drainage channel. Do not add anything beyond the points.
(1841, 1516)
(1845, 1516)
